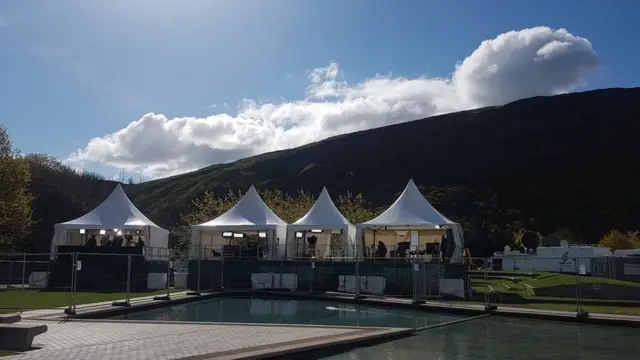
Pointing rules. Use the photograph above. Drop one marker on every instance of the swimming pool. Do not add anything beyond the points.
(496, 338)
(285, 311)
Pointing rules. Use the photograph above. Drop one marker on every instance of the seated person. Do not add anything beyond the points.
(105, 241)
(91, 241)
(403, 247)
(128, 240)
(117, 241)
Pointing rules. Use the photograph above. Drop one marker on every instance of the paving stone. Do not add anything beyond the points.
(114, 341)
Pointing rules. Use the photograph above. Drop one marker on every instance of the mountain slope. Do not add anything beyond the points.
(562, 161)
(576, 149)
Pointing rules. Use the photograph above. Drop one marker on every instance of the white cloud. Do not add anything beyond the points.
(514, 65)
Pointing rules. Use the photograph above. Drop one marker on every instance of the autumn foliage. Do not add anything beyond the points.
(617, 240)
(288, 207)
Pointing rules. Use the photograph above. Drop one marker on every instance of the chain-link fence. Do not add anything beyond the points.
(567, 284)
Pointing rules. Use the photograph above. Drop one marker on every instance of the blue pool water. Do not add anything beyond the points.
(255, 310)
(496, 338)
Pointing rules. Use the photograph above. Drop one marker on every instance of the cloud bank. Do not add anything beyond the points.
(514, 65)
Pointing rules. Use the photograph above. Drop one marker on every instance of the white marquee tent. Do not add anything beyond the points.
(412, 212)
(324, 216)
(250, 214)
(116, 213)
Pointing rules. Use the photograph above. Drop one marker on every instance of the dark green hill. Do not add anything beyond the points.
(568, 160)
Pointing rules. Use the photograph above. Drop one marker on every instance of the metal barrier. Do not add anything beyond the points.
(34, 281)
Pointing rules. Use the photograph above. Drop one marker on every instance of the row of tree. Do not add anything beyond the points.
(288, 207)
(15, 198)
(487, 227)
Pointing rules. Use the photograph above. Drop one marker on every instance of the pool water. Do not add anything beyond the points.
(255, 310)
(496, 338)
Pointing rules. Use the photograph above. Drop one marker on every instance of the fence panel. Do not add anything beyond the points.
(517, 281)
(428, 280)
(34, 281)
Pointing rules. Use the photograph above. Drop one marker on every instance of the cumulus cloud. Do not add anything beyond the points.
(514, 65)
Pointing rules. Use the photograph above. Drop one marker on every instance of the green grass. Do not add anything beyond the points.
(624, 310)
(555, 279)
(11, 300)
(7, 353)
(525, 286)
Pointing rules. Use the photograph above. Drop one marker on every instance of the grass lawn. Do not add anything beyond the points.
(630, 310)
(7, 352)
(35, 299)
(526, 284)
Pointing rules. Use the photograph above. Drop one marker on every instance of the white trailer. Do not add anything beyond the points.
(627, 253)
(554, 259)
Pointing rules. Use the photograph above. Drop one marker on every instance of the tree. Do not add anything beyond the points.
(130, 181)
(616, 240)
(355, 208)
(488, 226)
(527, 239)
(288, 207)
(15, 199)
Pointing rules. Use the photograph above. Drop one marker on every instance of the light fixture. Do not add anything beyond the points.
(227, 234)
(115, 230)
(262, 235)
(119, 232)
(299, 235)
(238, 235)
(316, 231)
(102, 232)
(82, 231)
(437, 226)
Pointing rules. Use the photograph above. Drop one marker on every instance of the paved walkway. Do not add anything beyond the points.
(80, 340)
(58, 313)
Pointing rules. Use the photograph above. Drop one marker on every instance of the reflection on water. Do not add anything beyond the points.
(250, 310)
(498, 338)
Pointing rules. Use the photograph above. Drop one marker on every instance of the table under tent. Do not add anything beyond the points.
(323, 233)
(249, 230)
(411, 230)
(103, 241)
(233, 243)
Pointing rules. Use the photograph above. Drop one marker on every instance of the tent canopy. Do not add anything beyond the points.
(324, 215)
(249, 213)
(115, 212)
(410, 210)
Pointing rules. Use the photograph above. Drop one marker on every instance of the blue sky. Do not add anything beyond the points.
(76, 70)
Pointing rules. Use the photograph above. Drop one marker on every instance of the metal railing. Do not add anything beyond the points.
(568, 284)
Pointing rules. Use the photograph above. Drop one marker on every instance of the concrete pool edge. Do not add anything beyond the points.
(464, 309)
(329, 343)
(97, 311)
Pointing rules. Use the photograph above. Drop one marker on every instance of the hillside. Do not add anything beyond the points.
(567, 160)
(577, 153)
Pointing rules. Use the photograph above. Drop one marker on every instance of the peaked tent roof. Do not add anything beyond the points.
(323, 214)
(249, 211)
(115, 212)
(410, 209)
